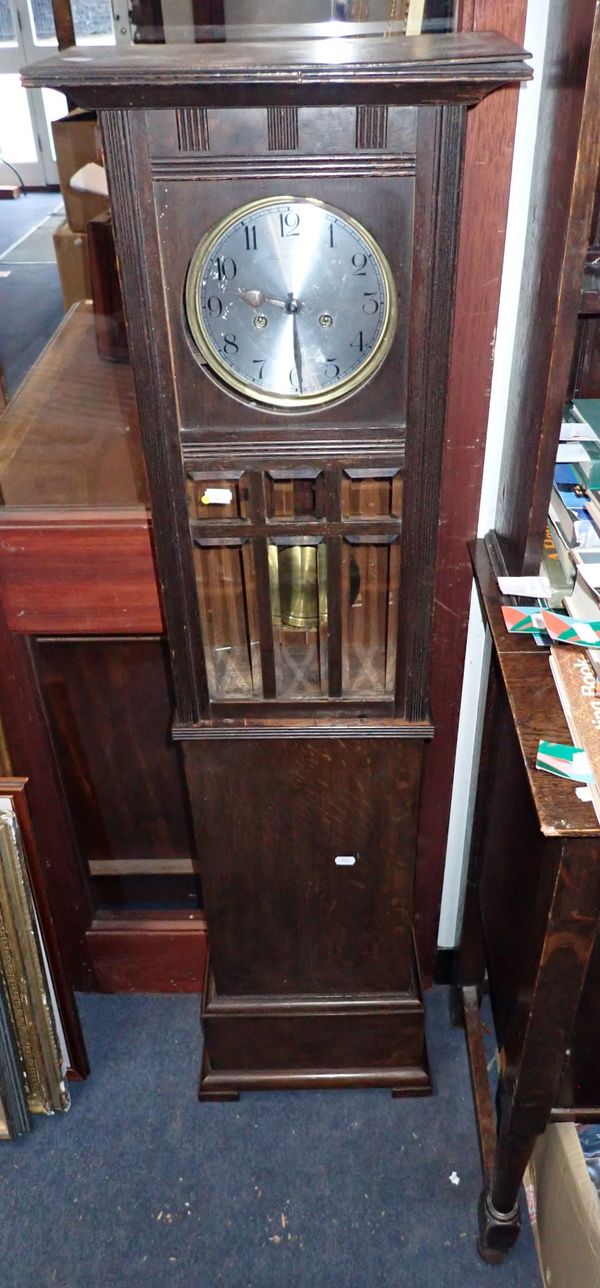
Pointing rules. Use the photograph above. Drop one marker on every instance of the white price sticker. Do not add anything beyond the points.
(217, 496)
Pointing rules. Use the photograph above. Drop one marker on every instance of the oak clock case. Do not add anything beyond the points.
(295, 508)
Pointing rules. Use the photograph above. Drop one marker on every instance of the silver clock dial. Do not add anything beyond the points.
(291, 302)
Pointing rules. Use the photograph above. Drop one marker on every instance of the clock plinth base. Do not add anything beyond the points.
(303, 1043)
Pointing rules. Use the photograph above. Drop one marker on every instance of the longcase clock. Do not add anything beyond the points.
(286, 216)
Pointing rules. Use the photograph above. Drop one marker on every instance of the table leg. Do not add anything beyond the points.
(533, 1053)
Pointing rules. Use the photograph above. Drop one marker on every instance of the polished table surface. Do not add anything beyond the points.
(536, 709)
(70, 437)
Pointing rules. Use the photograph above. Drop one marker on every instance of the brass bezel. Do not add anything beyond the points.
(210, 354)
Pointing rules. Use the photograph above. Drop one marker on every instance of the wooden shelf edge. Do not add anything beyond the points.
(149, 951)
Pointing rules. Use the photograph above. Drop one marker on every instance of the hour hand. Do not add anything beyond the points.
(256, 298)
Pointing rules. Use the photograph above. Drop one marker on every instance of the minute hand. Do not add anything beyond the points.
(297, 351)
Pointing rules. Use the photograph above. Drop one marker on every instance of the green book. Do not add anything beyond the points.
(590, 468)
(565, 761)
(589, 409)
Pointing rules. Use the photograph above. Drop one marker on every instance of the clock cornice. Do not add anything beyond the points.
(430, 69)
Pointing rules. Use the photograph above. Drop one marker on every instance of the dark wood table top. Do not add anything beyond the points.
(536, 708)
(69, 437)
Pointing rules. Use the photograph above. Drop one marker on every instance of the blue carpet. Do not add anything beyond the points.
(141, 1185)
(31, 304)
(31, 308)
(17, 218)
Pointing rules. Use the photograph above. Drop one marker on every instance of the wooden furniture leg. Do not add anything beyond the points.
(528, 1089)
(482, 1099)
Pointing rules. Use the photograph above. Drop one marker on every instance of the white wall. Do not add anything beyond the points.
(478, 647)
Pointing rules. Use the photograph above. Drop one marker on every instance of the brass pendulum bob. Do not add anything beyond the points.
(298, 592)
(299, 587)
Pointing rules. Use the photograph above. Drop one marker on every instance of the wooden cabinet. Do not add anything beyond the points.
(533, 894)
(530, 923)
(85, 690)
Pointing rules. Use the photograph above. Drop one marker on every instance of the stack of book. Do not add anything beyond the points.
(576, 684)
(571, 556)
(571, 562)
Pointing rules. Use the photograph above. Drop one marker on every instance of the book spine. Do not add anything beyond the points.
(576, 685)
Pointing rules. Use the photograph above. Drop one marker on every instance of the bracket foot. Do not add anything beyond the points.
(498, 1231)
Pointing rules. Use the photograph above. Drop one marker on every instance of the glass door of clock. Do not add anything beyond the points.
(298, 581)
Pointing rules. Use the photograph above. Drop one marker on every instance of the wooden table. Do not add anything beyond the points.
(531, 918)
(70, 435)
(83, 653)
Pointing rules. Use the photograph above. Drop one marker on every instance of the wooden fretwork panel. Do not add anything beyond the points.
(243, 132)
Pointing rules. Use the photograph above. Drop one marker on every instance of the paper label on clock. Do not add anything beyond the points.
(217, 496)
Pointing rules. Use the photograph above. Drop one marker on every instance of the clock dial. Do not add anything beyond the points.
(291, 302)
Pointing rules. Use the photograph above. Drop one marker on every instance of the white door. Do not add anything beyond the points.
(25, 140)
(26, 36)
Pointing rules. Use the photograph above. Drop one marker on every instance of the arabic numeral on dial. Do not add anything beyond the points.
(331, 235)
(250, 236)
(288, 223)
(226, 268)
(230, 345)
(214, 306)
(370, 303)
(294, 380)
(359, 264)
(332, 369)
(260, 364)
(358, 342)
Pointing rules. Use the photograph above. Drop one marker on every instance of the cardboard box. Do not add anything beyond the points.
(565, 1210)
(73, 269)
(75, 143)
